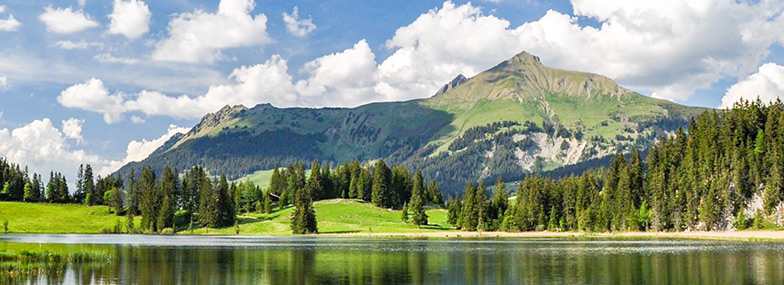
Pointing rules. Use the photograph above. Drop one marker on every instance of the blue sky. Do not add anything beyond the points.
(106, 82)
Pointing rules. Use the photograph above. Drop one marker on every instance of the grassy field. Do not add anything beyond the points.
(56, 218)
(262, 177)
(334, 216)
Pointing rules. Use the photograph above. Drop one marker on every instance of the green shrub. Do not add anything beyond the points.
(167, 231)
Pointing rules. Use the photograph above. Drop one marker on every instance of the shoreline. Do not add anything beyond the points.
(752, 235)
(755, 235)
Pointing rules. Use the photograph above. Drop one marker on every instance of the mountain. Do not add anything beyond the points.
(516, 118)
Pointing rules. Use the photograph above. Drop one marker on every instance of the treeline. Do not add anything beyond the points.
(725, 172)
(18, 186)
(383, 186)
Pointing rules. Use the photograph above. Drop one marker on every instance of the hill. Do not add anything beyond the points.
(516, 118)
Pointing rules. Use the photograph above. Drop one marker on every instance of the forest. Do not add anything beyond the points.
(723, 172)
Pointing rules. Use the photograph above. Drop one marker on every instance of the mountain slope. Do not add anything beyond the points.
(516, 118)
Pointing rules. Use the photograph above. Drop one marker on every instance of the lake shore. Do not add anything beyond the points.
(755, 235)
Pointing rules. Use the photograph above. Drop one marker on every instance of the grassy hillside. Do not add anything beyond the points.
(334, 216)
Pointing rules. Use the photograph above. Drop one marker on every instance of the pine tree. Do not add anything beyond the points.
(469, 210)
(434, 193)
(381, 193)
(418, 200)
(500, 200)
(168, 189)
(79, 194)
(303, 218)
(92, 196)
(149, 205)
(453, 212)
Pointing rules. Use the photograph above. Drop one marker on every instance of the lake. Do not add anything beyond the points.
(146, 259)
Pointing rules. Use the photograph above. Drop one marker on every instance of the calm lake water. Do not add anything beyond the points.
(296, 260)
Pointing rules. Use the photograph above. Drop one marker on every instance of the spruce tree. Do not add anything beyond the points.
(453, 212)
(303, 218)
(381, 193)
(500, 200)
(92, 196)
(168, 189)
(149, 204)
(434, 193)
(418, 200)
(469, 210)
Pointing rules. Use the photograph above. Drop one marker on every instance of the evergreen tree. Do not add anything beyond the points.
(149, 205)
(92, 197)
(469, 210)
(453, 212)
(500, 200)
(116, 200)
(434, 193)
(303, 218)
(168, 190)
(382, 194)
(80, 193)
(418, 200)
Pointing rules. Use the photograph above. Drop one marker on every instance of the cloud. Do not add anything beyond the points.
(10, 24)
(69, 45)
(72, 129)
(4, 82)
(670, 51)
(767, 85)
(137, 120)
(345, 78)
(130, 19)
(139, 150)
(43, 148)
(670, 48)
(109, 58)
(93, 96)
(298, 27)
(199, 37)
(441, 44)
(66, 20)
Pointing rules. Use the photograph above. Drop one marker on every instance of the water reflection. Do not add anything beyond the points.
(375, 261)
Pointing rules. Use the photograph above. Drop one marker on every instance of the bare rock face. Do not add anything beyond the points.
(214, 119)
(460, 79)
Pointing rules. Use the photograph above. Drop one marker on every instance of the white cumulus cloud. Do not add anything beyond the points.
(767, 85)
(10, 24)
(43, 148)
(93, 96)
(4, 82)
(70, 45)
(130, 19)
(296, 26)
(66, 20)
(109, 58)
(345, 78)
(72, 129)
(668, 50)
(199, 37)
